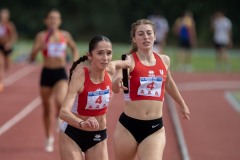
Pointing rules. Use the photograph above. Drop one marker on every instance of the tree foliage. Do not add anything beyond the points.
(85, 18)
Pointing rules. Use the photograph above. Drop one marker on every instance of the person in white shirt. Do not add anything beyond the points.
(222, 39)
(161, 28)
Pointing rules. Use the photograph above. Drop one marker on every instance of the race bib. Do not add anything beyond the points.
(98, 99)
(56, 49)
(3, 31)
(150, 86)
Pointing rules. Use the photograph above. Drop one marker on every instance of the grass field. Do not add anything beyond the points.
(203, 59)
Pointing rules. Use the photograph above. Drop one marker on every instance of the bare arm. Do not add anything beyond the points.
(173, 91)
(193, 34)
(176, 27)
(14, 35)
(117, 65)
(122, 64)
(75, 86)
(117, 83)
(37, 46)
(71, 43)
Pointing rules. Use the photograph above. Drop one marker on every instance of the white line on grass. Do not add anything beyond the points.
(18, 117)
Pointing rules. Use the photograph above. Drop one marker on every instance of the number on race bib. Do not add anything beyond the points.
(99, 100)
(150, 85)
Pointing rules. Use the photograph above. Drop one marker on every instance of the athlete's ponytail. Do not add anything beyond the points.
(75, 63)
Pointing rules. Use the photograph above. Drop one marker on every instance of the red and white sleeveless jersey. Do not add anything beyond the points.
(147, 82)
(55, 49)
(4, 30)
(95, 98)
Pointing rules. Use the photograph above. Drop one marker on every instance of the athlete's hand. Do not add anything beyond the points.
(90, 123)
(128, 61)
(186, 113)
(30, 59)
(119, 81)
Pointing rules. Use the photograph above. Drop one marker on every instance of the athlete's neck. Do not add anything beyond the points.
(147, 59)
(96, 76)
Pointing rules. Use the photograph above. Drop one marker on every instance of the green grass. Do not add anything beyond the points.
(203, 59)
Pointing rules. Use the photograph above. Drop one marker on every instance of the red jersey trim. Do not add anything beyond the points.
(7, 29)
(147, 82)
(83, 103)
(48, 35)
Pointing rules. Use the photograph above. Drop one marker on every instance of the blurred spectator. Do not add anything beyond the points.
(8, 37)
(161, 28)
(222, 39)
(184, 29)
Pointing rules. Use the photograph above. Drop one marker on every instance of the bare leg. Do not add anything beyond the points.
(46, 94)
(99, 151)
(68, 148)
(1, 71)
(226, 60)
(125, 146)
(219, 61)
(153, 146)
(7, 62)
(181, 60)
(188, 62)
(60, 91)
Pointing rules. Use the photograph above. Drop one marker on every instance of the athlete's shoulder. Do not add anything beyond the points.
(79, 70)
(41, 35)
(65, 33)
(77, 80)
(10, 24)
(162, 55)
(78, 75)
(165, 58)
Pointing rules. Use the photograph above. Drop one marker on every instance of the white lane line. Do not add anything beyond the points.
(191, 86)
(18, 117)
(234, 103)
(198, 86)
(18, 75)
(178, 128)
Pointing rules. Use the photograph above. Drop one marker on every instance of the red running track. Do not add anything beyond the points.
(211, 134)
